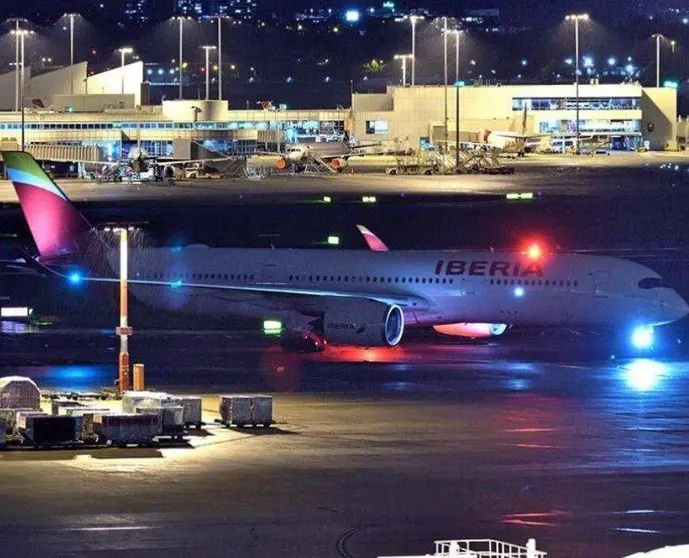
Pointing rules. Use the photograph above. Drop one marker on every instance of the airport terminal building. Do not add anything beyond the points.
(102, 116)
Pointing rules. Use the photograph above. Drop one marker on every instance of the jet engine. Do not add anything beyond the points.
(281, 163)
(365, 323)
(338, 163)
(473, 331)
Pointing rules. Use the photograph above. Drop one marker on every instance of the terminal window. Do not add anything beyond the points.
(376, 127)
(570, 103)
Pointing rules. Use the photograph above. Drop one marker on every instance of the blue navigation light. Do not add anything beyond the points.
(519, 292)
(642, 337)
(75, 278)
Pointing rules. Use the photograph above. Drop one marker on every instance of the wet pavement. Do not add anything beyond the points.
(565, 436)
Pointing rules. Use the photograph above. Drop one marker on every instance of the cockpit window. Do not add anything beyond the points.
(651, 283)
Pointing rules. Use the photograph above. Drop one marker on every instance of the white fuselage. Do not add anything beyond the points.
(302, 151)
(431, 287)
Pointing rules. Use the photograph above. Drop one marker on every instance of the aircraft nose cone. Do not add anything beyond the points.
(676, 306)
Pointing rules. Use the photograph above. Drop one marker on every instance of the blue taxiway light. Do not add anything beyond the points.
(519, 292)
(75, 278)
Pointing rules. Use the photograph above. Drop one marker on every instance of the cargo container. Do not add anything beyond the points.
(49, 430)
(17, 392)
(22, 416)
(126, 428)
(148, 399)
(235, 410)
(192, 410)
(84, 416)
(59, 406)
(9, 416)
(262, 410)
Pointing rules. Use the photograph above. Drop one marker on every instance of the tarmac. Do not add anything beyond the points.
(553, 435)
(375, 452)
(551, 174)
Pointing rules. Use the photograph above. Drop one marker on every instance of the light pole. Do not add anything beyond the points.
(71, 51)
(403, 58)
(445, 80)
(658, 37)
(16, 66)
(123, 52)
(412, 19)
(456, 34)
(208, 49)
(20, 35)
(181, 20)
(577, 18)
(220, 18)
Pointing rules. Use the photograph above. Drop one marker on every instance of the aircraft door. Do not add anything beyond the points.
(601, 283)
(269, 273)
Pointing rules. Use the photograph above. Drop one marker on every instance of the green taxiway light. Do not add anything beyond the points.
(671, 83)
(327, 199)
(333, 240)
(368, 199)
(272, 326)
(519, 196)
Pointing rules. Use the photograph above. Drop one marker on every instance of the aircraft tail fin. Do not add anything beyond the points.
(374, 243)
(58, 229)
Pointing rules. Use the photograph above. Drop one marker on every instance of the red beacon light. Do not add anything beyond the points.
(534, 252)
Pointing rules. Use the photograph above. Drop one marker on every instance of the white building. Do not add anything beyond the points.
(98, 115)
(625, 114)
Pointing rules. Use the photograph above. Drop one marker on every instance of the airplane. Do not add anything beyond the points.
(333, 155)
(508, 142)
(352, 297)
(139, 162)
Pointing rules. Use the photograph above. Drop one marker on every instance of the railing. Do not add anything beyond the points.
(486, 548)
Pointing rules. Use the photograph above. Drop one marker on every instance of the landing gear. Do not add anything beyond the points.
(303, 343)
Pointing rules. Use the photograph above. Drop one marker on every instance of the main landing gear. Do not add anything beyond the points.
(303, 343)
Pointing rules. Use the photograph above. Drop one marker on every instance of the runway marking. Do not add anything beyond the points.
(530, 523)
(642, 531)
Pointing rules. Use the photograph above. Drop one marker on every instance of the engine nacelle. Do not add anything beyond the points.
(474, 331)
(338, 163)
(281, 163)
(365, 323)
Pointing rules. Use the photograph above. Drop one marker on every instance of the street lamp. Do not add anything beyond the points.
(220, 18)
(403, 58)
(208, 49)
(456, 33)
(181, 20)
(20, 35)
(71, 50)
(412, 19)
(576, 18)
(658, 36)
(445, 79)
(123, 52)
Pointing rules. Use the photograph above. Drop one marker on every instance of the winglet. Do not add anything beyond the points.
(374, 243)
(56, 226)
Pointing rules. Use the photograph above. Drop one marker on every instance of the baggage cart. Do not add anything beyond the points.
(49, 430)
(235, 410)
(262, 410)
(125, 429)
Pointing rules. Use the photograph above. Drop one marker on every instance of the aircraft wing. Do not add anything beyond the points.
(409, 302)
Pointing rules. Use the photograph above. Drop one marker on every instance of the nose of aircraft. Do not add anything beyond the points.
(673, 306)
